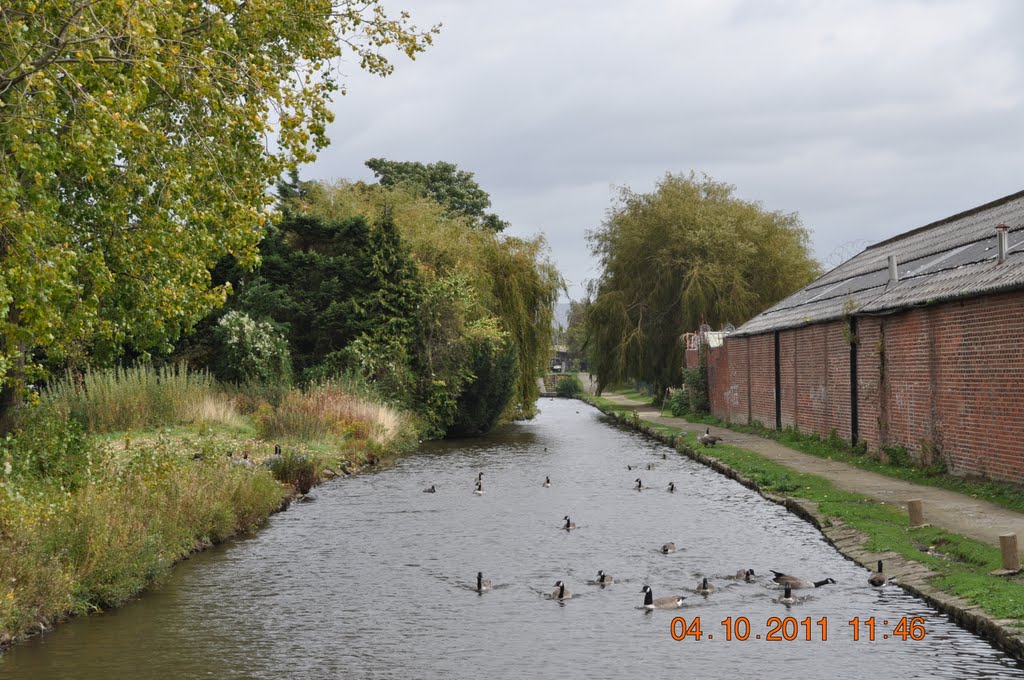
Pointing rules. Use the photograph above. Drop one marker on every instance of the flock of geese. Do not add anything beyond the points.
(788, 582)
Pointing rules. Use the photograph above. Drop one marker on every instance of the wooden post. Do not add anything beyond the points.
(1011, 558)
(916, 513)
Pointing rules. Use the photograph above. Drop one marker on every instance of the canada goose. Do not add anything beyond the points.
(746, 575)
(639, 485)
(667, 602)
(479, 490)
(560, 593)
(787, 597)
(664, 456)
(668, 548)
(708, 438)
(705, 588)
(604, 579)
(569, 525)
(629, 467)
(797, 582)
(671, 487)
(480, 477)
(878, 578)
(431, 489)
(482, 584)
(650, 466)
(547, 482)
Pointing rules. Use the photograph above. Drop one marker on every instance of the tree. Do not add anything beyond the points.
(445, 183)
(688, 253)
(137, 141)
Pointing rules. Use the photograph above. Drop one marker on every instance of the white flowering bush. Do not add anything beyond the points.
(252, 351)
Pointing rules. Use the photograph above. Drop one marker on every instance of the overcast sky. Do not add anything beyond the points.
(865, 118)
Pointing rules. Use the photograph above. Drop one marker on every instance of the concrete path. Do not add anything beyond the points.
(949, 510)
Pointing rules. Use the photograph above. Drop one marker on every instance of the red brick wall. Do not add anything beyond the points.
(945, 381)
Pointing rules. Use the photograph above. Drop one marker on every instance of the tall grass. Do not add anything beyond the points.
(331, 412)
(139, 397)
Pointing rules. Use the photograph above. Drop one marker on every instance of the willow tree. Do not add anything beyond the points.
(688, 253)
(493, 284)
(137, 143)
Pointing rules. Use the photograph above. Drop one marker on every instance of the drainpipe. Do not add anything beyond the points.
(1001, 237)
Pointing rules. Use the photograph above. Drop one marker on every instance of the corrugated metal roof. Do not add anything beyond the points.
(949, 259)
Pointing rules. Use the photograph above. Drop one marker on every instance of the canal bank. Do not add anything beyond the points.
(919, 560)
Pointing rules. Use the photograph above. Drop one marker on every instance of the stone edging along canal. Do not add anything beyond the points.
(911, 576)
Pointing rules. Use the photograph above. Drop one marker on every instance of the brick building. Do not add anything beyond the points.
(918, 342)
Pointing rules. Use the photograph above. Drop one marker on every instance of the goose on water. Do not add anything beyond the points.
(667, 602)
(639, 485)
(560, 593)
(745, 575)
(569, 525)
(479, 490)
(650, 466)
(431, 489)
(707, 438)
(547, 482)
(787, 597)
(797, 582)
(878, 578)
(604, 579)
(705, 588)
(668, 548)
(482, 584)
(671, 487)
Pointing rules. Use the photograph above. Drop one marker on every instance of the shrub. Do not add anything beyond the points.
(495, 365)
(46, 448)
(252, 351)
(569, 386)
(296, 469)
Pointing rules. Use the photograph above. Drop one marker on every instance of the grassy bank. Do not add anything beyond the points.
(112, 477)
(962, 565)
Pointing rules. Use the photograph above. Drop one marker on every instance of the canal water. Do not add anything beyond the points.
(372, 578)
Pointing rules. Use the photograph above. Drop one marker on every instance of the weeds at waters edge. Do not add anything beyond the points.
(962, 563)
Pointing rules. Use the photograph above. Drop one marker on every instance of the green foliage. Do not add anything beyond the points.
(455, 189)
(569, 386)
(688, 253)
(696, 392)
(252, 351)
(295, 469)
(679, 403)
(46, 448)
(137, 141)
(494, 366)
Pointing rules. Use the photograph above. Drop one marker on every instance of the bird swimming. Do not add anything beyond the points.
(604, 579)
(671, 487)
(878, 578)
(667, 602)
(430, 489)
(547, 482)
(797, 582)
(482, 584)
(639, 485)
(569, 525)
(560, 593)
(787, 597)
(746, 575)
(479, 490)
(705, 588)
(668, 548)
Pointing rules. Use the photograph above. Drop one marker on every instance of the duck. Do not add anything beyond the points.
(482, 584)
(479, 490)
(705, 588)
(569, 525)
(787, 596)
(639, 485)
(431, 489)
(560, 593)
(878, 578)
(745, 575)
(604, 579)
(671, 487)
(547, 483)
(797, 582)
(668, 548)
(707, 438)
(667, 602)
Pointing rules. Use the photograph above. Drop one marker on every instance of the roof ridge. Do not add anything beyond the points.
(946, 220)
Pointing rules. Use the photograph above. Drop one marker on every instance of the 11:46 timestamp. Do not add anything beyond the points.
(790, 628)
